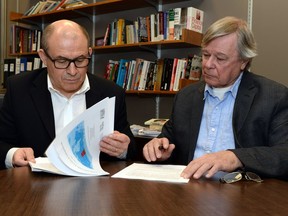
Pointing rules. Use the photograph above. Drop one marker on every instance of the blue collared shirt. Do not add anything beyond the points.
(216, 132)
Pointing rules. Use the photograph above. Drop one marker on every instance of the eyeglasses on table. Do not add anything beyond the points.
(237, 176)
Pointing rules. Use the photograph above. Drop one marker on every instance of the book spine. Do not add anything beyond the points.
(131, 72)
(143, 77)
(107, 33)
(159, 74)
(142, 33)
(161, 26)
(173, 74)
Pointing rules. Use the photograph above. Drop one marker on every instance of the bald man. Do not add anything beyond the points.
(39, 104)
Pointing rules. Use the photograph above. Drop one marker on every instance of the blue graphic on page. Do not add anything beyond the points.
(77, 142)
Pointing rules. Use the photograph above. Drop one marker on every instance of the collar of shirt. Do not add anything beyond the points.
(84, 88)
(233, 89)
(66, 109)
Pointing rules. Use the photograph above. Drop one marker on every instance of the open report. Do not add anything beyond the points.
(75, 151)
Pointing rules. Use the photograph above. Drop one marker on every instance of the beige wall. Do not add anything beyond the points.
(270, 26)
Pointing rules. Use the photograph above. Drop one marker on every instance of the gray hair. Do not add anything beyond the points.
(246, 44)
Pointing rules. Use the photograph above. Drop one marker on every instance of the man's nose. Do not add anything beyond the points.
(72, 69)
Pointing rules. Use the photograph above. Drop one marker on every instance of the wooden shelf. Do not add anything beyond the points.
(182, 83)
(39, 19)
(150, 92)
(98, 8)
(189, 39)
(112, 6)
(23, 54)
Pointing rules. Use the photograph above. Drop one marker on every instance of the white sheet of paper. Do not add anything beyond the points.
(75, 151)
(154, 172)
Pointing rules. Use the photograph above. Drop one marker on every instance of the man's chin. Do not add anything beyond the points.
(72, 88)
(211, 81)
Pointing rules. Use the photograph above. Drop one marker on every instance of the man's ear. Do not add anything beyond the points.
(90, 51)
(244, 64)
(42, 55)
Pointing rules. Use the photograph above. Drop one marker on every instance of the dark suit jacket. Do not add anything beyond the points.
(26, 117)
(260, 125)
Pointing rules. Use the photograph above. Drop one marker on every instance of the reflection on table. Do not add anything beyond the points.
(26, 193)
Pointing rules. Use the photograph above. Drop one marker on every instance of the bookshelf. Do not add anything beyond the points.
(190, 39)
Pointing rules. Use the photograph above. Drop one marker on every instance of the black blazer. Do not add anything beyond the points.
(26, 117)
(260, 125)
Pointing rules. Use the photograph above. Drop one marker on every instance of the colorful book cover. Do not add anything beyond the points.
(195, 19)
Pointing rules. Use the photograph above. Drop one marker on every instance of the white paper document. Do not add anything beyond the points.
(75, 151)
(154, 172)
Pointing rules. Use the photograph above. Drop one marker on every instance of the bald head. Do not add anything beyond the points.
(63, 30)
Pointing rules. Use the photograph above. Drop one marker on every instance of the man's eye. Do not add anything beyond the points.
(62, 61)
(80, 60)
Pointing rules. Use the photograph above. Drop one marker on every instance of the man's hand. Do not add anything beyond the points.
(158, 149)
(209, 164)
(22, 156)
(115, 144)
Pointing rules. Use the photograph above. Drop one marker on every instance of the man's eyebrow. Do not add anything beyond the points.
(216, 53)
(221, 54)
(63, 57)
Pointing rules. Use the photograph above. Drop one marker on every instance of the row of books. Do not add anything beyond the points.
(24, 39)
(50, 5)
(164, 25)
(17, 65)
(163, 74)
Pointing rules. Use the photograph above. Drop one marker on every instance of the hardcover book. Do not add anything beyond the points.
(171, 14)
(196, 68)
(159, 72)
(143, 77)
(142, 32)
(122, 72)
(151, 75)
(195, 19)
(137, 73)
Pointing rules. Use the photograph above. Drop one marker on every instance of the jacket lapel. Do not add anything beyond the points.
(93, 96)
(42, 100)
(196, 116)
(245, 96)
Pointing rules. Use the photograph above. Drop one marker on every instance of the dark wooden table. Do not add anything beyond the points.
(25, 193)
